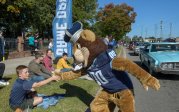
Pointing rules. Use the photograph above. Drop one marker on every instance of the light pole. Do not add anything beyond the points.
(161, 29)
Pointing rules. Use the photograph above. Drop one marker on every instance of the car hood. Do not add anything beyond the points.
(166, 56)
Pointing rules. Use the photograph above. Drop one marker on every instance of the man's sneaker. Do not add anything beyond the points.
(4, 83)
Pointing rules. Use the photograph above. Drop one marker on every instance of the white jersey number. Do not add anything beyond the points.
(98, 76)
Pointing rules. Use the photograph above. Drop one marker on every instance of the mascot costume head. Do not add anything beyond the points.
(108, 69)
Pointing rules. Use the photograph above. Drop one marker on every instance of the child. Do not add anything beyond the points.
(62, 65)
(19, 97)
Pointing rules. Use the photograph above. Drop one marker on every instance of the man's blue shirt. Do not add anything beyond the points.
(31, 40)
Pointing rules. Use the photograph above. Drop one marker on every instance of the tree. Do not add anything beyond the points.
(84, 11)
(27, 14)
(116, 20)
(137, 38)
(38, 14)
(9, 16)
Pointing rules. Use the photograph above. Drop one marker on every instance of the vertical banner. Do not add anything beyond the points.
(62, 21)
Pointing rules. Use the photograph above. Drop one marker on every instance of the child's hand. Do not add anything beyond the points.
(55, 77)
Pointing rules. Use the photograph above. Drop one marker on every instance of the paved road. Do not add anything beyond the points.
(164, 100)
(11, 64)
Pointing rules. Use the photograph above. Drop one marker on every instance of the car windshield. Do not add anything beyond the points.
(164, 47)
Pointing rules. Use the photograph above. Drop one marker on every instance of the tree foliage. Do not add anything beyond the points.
(137, 38)
(25, 14)
(20, 15)
(38, 14)
(84, 11)
(115, 20)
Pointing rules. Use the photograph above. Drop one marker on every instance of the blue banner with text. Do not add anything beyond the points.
(62, 21)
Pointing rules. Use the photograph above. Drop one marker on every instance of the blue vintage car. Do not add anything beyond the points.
(162, 57)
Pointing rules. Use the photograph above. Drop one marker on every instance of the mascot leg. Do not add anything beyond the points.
(101, 102)
(124, 100)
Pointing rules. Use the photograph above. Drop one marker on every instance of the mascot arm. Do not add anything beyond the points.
(70, 75)
(144, 77)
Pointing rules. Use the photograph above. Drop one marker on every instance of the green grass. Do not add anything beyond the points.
(78, 95)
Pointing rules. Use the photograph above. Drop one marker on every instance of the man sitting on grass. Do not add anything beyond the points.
(21, 94)
(37, 70)
(62, 65)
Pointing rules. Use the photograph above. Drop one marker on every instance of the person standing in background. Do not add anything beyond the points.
(36, 42)
(107, 39)
(112, 44)
(2, 68)
(50, 45)
(40, 43)
(2, 45)
(31, 43)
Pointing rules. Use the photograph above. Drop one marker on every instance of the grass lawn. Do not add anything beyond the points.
(78, 95)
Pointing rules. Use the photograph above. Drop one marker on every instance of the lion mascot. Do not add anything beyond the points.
(107, 69)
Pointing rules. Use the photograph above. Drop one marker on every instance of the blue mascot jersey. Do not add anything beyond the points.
(102, 72)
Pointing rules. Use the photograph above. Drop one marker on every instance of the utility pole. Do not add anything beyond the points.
(155, 30)
(146, 33)
(170, 35)
(161, 30)
(142, 33)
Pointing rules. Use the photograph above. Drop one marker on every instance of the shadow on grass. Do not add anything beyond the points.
(72, 90)
(57, 95)
(7, 78)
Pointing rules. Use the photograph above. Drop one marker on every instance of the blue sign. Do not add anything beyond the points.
(61, 22)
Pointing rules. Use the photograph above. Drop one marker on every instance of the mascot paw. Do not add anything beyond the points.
(58, 73)
(152, 82)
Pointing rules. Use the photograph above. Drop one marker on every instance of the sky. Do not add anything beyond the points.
(150, 13)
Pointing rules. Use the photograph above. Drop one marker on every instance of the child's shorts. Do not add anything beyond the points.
(27, 103)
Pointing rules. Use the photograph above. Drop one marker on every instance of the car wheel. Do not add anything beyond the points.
(141, 61)
(151, 70)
